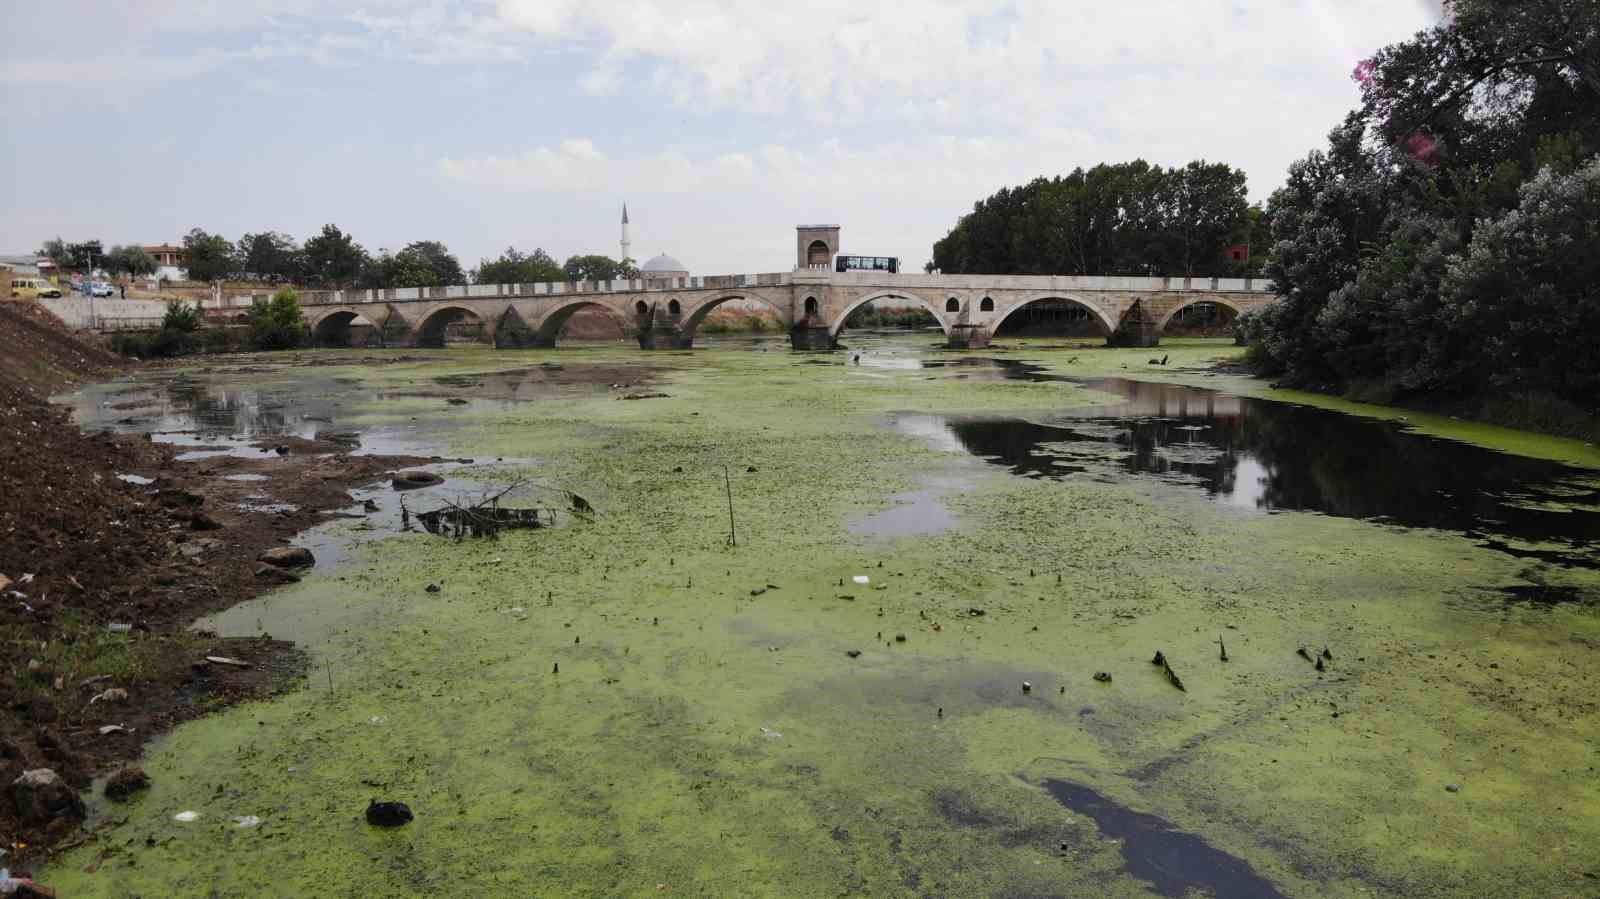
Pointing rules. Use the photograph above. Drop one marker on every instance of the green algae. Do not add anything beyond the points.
(718, 742)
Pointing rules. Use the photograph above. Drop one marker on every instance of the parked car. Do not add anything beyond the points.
(33, 288)
(101, 289)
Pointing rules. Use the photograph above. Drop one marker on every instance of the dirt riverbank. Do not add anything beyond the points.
(109, 548)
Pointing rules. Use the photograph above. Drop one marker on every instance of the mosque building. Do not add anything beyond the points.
(656, 267)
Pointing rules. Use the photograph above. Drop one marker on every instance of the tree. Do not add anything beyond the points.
(592, 268)
(210, 256)
(55, 250)
(514, 267)
(269, 256)
(1526, 293)
(84, 255)
(277, 324)
(1207, 204)
(1128, 218)
(130, 260)
(333, 258)
(430, 256)
(1444, 242)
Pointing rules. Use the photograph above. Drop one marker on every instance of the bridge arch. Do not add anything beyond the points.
(433, 326)
(838, 324)
(1161, 326)
(1095, 312)
(548, 329)
(697, 315)
(332, 327)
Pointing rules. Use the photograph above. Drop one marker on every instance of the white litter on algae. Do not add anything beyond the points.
(652, 761)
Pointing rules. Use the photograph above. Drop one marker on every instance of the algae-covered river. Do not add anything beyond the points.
(924, 669)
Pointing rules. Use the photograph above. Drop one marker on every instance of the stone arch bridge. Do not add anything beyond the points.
(813, 304)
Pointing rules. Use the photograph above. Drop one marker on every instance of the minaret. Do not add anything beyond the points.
(625, 253)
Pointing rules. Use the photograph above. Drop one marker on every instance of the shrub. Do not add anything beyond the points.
(277, 324)
(181, 317)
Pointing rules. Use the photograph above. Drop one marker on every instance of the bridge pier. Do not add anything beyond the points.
(664, 335)
(966, 336)
(811, 337)
(1137, 328)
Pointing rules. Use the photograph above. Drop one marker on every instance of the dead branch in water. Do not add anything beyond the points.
(487, 518)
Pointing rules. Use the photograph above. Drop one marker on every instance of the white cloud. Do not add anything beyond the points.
(968, 64)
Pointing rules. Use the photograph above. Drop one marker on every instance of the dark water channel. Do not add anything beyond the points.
(1272, 456)
(1173, 862)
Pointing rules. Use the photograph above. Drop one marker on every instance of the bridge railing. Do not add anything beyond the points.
(770, 279)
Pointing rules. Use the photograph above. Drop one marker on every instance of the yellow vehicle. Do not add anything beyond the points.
(32, 289)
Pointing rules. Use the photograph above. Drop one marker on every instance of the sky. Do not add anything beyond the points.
(722, 125)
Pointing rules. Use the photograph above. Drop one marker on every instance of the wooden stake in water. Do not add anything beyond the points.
(727, 482)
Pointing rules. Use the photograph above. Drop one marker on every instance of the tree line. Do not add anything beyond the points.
(1447, 240)
(1114, 219)
(333, 259)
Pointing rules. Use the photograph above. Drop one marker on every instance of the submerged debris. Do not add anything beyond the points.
(412, 480)
(1103, 677)
(125, 783)
(388, 814)
(487, 518)
(1166, 667)
(479, 521)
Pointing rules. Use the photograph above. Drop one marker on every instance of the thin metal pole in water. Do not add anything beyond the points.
(727, 482)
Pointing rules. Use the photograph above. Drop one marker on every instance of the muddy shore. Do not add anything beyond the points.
(110, 547)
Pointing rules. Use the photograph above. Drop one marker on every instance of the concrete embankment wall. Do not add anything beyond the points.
(106, 314)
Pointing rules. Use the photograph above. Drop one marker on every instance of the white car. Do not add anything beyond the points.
(101, 289)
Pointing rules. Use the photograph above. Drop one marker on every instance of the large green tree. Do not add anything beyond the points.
(1444, 242)
(1128, 218)
(333, 258)
(435, 258)
(596, 268)
(515, 267)
(270, 256)
(210, 257)
(130, 259)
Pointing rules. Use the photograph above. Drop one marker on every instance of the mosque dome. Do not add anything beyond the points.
(664, 265)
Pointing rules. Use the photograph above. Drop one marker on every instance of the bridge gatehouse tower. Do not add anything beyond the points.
(815, 247)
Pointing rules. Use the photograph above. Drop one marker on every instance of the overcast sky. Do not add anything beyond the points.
(722, 124)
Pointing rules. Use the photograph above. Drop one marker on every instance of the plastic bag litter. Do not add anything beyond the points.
(186, 817)
(862, 579)
(247, 821)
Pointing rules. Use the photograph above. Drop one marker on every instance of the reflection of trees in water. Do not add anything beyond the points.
(1306, 459)
(223, 411)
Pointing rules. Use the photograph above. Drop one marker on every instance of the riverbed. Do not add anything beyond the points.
(882, 622)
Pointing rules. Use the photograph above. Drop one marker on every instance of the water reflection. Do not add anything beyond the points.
(1272, 456)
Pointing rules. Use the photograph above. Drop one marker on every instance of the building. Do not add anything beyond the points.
(171, 262)
(663, 266)
(659, 267)
(24, 266)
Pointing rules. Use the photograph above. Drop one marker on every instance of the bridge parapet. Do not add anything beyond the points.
(908, 281)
